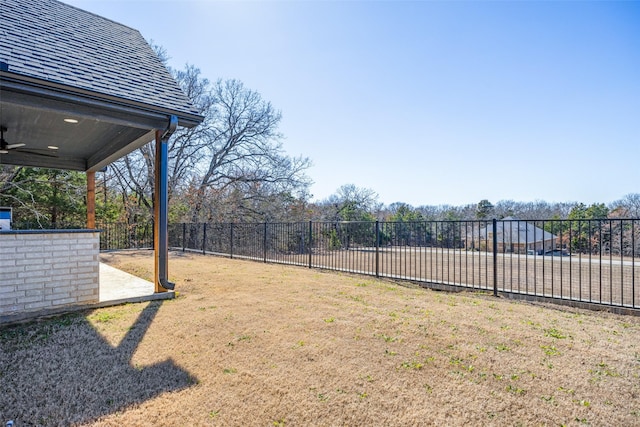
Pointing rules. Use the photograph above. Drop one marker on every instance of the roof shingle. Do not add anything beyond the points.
(58, 43)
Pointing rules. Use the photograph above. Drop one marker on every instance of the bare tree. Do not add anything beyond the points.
(349, 203)
(8, 174)
(231, 164)
(134, 174)
(629, 205)
(243, 150)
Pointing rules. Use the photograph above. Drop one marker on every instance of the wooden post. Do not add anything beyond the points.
(91, 200)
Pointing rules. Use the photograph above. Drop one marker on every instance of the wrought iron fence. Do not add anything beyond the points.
(583, 261)
(121, 235)
(113, 235)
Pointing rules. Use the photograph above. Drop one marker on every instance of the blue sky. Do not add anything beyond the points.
(429, 102)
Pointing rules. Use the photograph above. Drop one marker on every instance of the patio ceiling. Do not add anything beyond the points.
(101, 130)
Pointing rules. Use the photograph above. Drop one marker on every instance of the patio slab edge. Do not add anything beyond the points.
(9, 319)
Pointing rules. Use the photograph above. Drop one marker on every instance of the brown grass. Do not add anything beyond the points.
(247, 343)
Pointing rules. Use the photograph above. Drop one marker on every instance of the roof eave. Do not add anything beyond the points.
(120, 110)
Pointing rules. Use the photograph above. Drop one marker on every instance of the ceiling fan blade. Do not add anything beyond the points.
(12, 146)
(39, 152)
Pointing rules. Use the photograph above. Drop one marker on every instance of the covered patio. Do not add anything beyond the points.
(78, 92)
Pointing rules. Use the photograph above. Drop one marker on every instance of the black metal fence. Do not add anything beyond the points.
(575, 261)
(581, 261)
(114, 236)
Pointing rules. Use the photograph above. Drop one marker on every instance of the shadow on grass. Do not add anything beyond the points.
(62, 371)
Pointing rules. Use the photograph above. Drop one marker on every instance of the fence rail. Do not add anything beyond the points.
(588, 261)
(115, 236)
(581, 261)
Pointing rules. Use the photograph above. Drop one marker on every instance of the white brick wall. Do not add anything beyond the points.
(48, 270)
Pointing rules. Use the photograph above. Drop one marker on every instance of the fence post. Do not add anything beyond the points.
(204, 237)
(184, 236)
(377, 248)
(633, 259)
(310, 242)
(495, 257)
(264, 243)
(231, 242)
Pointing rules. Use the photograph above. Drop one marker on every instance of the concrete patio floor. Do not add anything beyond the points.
(117, 287)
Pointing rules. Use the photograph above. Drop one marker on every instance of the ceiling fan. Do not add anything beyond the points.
(6, 148)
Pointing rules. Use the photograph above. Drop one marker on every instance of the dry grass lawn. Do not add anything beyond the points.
(251, 344)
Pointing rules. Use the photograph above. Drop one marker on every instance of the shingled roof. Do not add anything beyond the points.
(58, 43)
(78, 92)
(58, 64)
(512, 230)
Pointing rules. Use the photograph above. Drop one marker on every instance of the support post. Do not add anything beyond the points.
(91, 200)
(161, 208)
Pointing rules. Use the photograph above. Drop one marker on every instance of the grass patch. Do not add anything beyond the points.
(555, 333)
(257, 344)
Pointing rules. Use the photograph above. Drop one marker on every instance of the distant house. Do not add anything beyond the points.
(514, 236)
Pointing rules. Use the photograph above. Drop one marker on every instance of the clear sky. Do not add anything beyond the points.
(429, 102)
